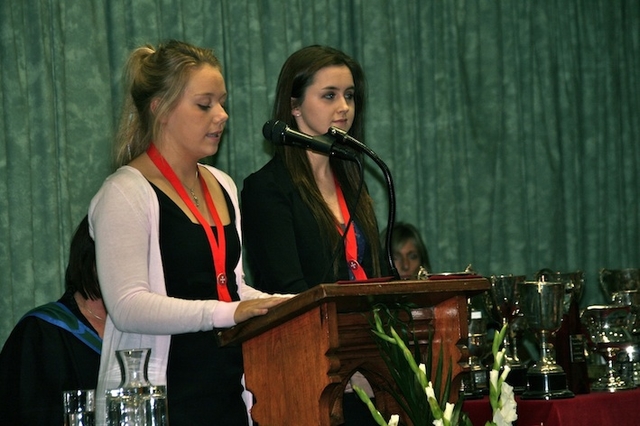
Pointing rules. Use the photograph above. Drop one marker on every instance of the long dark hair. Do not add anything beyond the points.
(404, 232)
(296, 75)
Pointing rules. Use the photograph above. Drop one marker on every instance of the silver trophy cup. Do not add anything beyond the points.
(542, 304)
(608, 327)
(505, 308)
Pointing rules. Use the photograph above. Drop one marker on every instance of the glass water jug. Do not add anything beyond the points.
(136, 402)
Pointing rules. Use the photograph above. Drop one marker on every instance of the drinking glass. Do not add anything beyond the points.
(79, 407)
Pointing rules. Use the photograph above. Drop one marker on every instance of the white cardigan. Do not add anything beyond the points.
(124, 222)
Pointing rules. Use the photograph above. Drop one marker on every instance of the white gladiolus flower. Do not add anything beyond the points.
(423, 368)
(438, 422)
(505, 373)
(394, 420)
(500, 356)
(430, 392)
(507, 414)
(508, 403)
(448, 411)
(493, 378)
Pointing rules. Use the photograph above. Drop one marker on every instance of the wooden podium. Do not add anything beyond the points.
(299, 357)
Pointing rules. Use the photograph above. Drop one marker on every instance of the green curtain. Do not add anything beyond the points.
(510, 127)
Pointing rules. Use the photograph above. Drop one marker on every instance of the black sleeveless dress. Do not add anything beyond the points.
(203, 379)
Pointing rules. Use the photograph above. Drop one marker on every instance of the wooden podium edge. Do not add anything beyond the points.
(359, 297)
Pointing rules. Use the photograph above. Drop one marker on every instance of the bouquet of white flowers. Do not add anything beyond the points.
(501, 395)
(417, 395)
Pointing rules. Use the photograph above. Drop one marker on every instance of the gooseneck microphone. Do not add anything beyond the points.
(280, 134)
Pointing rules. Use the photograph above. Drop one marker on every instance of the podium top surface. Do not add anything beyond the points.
(359, 297)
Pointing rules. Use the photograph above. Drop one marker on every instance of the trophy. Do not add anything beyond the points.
(622, 287)
(570, 339)
(609, 336)
(542, 302)
(504, 302)
(628, 360)
(630, 298)
(474, 382)
(574, 284)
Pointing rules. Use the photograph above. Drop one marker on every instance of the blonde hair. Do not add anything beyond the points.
(154, 75)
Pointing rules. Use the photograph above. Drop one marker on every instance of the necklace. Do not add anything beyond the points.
(88, 309)
(91, 312)
(217, 243)
(193, 193)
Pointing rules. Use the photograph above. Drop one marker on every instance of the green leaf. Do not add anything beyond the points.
(374, 412)
(498, 339)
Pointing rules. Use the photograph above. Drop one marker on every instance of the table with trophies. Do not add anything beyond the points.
(568, 366)
(585, 368)
(595, 408)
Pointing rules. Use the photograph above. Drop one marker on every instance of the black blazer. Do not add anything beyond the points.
(283, 245)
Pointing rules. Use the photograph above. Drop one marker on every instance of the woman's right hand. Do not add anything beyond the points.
(255, 307)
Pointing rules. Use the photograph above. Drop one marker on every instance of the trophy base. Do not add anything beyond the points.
(469, 387)
(476, 394)
(611, 384)
(547, 386)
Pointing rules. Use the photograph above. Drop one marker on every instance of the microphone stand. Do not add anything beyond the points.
(345, 138)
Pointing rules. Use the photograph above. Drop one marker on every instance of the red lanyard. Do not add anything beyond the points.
(350, 243)
(218, 246)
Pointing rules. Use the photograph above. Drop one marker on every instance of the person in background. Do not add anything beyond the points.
(408, 250)
(56, 346)
(168, 240)
(296, 208)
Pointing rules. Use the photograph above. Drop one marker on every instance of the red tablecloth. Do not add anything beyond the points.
(597, 408)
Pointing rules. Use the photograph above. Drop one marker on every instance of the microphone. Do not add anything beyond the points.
(280, 134)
